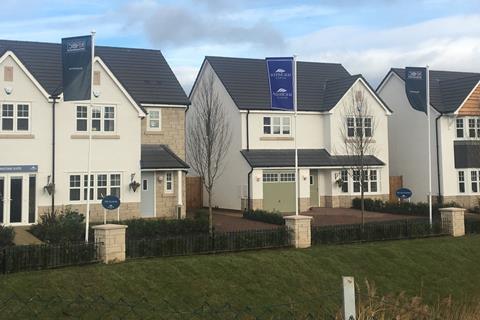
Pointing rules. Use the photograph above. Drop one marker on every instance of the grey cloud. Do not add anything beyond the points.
(181, 26)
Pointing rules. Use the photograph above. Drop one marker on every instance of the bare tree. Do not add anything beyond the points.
(208, 137)
(357, 131)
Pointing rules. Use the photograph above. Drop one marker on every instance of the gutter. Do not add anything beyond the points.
(249, 176)
(248, 135)
(54, 101)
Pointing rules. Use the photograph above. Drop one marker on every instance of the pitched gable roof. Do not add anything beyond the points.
(448, 89)
(145, 74)
(319, 85)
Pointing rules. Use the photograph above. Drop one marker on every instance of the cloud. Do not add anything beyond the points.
(178, 26)
(451, 43)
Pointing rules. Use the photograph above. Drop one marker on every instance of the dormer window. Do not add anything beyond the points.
(276, 125)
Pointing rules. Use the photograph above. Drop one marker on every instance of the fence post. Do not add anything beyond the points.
(110, 239)
(349, 311)
(453, 221)
(301, 231)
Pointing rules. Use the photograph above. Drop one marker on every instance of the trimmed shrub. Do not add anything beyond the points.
(264, 216)
(406, 208)
(154, 228)
(6, 236)
(60, 227)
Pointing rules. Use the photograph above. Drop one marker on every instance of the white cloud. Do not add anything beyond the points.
(451, 43)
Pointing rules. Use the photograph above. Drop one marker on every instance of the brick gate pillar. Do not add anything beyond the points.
(111, 241)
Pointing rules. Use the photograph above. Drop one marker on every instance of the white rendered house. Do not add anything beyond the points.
(455, 142)
(135, 99)
(260, 160)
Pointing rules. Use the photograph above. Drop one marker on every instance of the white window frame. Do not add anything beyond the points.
(466, 127)
(94, 186)
(461, 180)
(269, 177)
(159, 119)
(356, 180)
(460, 127)
(281, 124)
(15, 117)
(168, 180)
(355, 126)
(102, 118)
(84, 117)
(287, 177)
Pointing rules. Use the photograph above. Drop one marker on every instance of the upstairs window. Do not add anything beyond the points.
(460, 128)
(154, 120)
(474, 128)
(276, 125)
(102, 118)
(15, 117)
(359, 127)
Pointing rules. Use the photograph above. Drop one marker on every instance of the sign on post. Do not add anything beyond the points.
(404, 193)
(110, 203)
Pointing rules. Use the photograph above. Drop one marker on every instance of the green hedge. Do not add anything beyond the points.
(69, 226)
(264, 216)
(406, 208)
(6, 236)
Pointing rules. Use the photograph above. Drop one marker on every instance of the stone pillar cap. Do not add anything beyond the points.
(110, 226)
(451, 209)
(299, 217)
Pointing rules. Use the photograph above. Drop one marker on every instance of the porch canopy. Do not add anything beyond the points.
(159, 156)
(268, 158)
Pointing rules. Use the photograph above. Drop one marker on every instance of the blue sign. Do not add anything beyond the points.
(77, 68)
(404, 193)
(20, 168)
(280, 79)
(416, 87)
(111, 202)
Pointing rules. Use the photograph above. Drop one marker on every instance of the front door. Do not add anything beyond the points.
(147, 205)
(314, 188)
(16, 189)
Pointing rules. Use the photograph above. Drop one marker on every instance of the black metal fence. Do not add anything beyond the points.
(377, 231)
(206, 243)
(472, 226)
(46, 256)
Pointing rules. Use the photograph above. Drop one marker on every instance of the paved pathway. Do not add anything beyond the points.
(23, 237)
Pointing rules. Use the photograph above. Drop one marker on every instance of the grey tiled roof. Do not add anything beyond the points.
(448, 89)
(319, 85)
(467, 154)
(143, 73)
(264, 158)
(159, 156)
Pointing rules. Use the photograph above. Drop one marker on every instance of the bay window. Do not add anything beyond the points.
(101, 185)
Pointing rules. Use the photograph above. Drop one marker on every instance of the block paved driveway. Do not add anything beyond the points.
(233, 221)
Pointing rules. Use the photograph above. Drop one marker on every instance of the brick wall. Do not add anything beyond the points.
(128, 210)
(172, 133)
(167, 202)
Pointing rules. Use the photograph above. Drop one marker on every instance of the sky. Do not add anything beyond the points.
(366, 36)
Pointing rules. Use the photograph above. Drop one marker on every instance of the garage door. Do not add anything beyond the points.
(279, 191)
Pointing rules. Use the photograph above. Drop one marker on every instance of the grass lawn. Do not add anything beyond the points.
(431, 267)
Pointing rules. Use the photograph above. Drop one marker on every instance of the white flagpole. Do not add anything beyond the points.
(89, 170)
(295, 130)
(429, 149)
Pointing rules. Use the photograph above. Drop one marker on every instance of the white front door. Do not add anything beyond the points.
(147, 205)
(17, 199)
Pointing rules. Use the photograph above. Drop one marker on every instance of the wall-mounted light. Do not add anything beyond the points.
(160, 178)
(8, 90)
(258, 178)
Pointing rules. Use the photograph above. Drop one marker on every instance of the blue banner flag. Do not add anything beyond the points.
(77, 68)
(416, 87)
(280, 78)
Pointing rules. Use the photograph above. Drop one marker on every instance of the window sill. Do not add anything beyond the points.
(279, 138)
(16, 136)
(153, 132)
(95, 136)
(367, 140)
